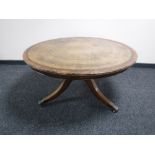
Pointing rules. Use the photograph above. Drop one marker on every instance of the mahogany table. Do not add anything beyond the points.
(80, 58)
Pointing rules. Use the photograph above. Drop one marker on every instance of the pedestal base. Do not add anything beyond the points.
(93, 87)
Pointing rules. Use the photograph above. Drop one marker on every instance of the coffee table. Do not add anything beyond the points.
(80, 58)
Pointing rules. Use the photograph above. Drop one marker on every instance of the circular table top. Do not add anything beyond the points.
(80, 57)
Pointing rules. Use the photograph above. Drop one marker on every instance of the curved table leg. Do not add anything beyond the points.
(96, 91)
(61, 88)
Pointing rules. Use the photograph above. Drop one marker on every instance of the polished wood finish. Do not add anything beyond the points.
(62, 87)
(80, 57)
(93, 87)
(83, 58)
(97, 92)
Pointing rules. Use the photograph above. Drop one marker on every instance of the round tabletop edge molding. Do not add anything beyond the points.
(79, 73)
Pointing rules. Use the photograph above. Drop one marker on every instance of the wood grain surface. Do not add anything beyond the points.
(80, 57)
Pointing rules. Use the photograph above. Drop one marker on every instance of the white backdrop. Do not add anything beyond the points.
(17, 35)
